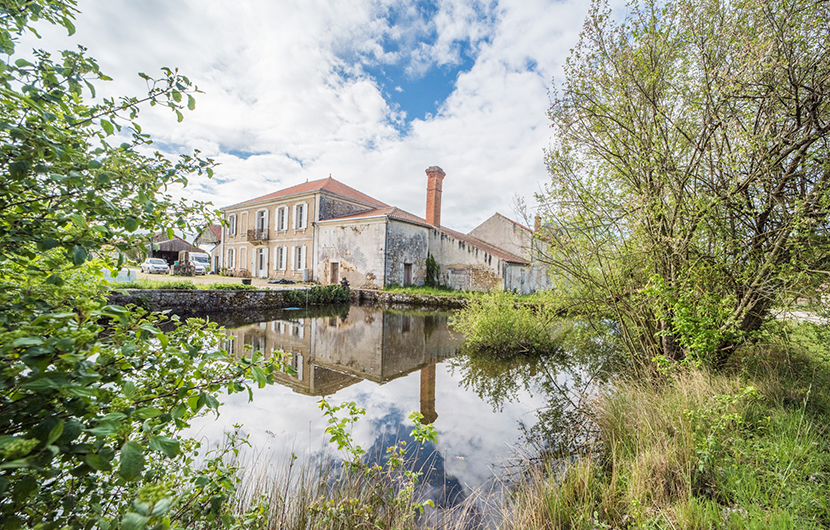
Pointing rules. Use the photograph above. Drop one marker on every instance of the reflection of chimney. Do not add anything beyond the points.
(538, 225)
(428, 394)
(435, 177)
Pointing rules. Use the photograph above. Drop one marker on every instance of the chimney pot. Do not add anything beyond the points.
(435, 177)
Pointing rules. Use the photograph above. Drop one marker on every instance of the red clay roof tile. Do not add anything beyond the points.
(328, 184)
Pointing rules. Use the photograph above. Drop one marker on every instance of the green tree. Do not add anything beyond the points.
(690, 181)
(93, 396)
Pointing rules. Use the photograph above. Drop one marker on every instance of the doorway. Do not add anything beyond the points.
(335, 273)
(262, 262)
(407, 274)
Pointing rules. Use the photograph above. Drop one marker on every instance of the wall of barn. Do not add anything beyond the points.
(357, 248)
(407, 244)
(464, 266)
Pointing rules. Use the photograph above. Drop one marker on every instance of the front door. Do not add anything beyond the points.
(262, 263)
(335, 273)
(407, 274)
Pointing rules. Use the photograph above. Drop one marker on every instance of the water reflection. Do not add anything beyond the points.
(584, 355)
(389, 362)
(331, 351)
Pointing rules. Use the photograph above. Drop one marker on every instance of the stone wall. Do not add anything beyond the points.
(199, 302)
(357, 247)
(407, 244)
(402, 300)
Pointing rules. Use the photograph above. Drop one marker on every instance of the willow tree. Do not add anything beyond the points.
(690, 181)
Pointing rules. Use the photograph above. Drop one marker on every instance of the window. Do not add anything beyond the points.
(282, 218)
(299, 258)
(300, 217)
(262, 220)
(232, 225)
(279, 258)
(231, 261)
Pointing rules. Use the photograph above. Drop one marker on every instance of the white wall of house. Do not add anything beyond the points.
(356, 247)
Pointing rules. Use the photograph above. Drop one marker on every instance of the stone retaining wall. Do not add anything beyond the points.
(385, 299)
(198, 301)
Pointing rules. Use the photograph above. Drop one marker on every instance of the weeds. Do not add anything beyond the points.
(697, 449)
(498, 325)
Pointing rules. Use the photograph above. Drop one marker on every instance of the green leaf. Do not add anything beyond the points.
(78, 255)
(179, 116)
(132, 460)
(24, 488)
(22, 63)
(259, 376)
(177, 96)
(167, 446)
(191, 102)
(55, 433)
(131, 224)
(27, 341)
(70, 27)
(107, 126)
(147, 413)
(134, 521)
(106, 428)
(98, 462)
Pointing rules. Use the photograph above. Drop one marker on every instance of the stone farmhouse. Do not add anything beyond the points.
(325, 231)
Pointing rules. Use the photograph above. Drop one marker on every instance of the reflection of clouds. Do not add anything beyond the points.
(467, 427)
(484, 409)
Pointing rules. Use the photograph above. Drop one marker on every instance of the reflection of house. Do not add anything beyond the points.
(329, 353)
(325, 231)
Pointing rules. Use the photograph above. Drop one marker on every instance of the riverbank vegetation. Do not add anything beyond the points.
(93, 397)
(743, 447)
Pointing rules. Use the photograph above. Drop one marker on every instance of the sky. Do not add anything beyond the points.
(370, 92)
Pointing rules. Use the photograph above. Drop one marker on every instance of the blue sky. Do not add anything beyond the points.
(370, 91)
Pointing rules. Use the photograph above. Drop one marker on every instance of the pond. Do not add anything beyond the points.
(486, 411)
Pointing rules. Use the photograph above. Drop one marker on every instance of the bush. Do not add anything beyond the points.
(498, 325)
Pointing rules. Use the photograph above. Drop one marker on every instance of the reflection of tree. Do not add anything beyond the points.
(584, 354)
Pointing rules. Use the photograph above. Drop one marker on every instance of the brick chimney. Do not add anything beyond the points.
(435, 177)
(538, 224)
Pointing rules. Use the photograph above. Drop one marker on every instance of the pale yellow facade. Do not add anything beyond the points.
(271, 239)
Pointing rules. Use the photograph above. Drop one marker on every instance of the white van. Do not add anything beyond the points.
(200, 262)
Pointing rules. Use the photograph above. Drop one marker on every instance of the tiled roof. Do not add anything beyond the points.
(390, 211)
(216, 230)
(497, 252)
(396, 213)
(329, 184)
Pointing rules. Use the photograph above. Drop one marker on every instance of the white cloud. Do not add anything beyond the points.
(286, 98)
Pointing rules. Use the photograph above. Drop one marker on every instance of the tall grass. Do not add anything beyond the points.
(743, 449)
(498, 324)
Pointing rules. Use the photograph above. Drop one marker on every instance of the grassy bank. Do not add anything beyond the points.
(744, 448)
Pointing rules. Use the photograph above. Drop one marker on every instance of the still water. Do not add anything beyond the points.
(486, 411)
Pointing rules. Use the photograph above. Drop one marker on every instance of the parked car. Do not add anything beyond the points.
(198, 268)
(155, 266)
